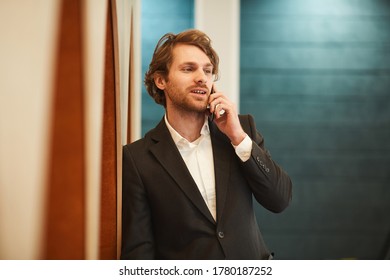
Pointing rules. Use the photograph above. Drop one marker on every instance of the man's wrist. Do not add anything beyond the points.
(238, 139)
(244, 148)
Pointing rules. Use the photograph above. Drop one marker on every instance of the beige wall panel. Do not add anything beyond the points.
(126, 8)
(28, 36)
(128, 11)
(95, 35)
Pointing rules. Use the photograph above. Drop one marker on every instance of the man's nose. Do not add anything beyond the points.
(201, 77)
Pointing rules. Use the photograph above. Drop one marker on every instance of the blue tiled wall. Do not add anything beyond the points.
(157, 18)
(316, 76)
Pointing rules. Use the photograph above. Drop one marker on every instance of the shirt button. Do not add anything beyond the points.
(221, 234)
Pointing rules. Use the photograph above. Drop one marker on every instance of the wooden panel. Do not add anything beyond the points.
(65, 220)
(131, 92)
(108, 210)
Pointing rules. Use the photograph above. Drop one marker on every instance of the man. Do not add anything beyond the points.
(188, 184)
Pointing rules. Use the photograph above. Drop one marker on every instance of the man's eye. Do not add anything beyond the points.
(208, 71)
(187, 69)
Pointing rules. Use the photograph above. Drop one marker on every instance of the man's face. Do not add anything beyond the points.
(189, 81)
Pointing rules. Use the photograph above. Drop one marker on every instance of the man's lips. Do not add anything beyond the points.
(199, 91)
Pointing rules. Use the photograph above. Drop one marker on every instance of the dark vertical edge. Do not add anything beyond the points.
(64, 232)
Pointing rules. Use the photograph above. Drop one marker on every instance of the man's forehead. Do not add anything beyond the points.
(190, 54)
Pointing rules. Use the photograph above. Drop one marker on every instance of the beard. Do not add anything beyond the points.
(184, 100)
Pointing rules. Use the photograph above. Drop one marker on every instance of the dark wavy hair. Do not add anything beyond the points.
(162, 58)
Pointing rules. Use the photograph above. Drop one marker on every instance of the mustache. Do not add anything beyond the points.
(199, 87)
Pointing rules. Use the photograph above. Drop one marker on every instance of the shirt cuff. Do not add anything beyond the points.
(244, 149)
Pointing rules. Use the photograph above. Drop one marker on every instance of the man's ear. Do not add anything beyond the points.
(159, 81)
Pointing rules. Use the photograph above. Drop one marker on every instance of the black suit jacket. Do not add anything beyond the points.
(164, 215)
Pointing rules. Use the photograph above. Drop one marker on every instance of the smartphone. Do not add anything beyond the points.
(211, 116)
(221, 112)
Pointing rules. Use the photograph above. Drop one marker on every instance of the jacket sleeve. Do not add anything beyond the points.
(137, 236)
(270, 184)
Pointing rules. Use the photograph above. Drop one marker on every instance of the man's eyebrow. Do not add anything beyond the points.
(209, 64)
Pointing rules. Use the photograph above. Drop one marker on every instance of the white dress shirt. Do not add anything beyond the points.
(198, 156)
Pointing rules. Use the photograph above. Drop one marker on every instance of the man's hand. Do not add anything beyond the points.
(226, 117)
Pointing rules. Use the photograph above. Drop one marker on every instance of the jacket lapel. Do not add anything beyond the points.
(166, 152)
(222, 160)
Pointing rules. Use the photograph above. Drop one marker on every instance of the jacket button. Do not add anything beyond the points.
(221, 234)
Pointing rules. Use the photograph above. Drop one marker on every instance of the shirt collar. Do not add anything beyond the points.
(178, 139)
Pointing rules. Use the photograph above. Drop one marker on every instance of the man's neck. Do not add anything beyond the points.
(188, 125)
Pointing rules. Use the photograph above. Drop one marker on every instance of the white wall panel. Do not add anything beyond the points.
(220, 19)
